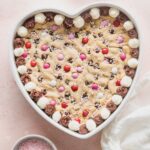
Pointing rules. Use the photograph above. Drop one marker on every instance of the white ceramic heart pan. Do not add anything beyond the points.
(27, 97)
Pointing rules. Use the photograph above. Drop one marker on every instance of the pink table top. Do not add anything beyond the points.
(17, 118)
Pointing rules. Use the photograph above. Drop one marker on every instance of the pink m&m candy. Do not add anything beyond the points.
(94, 86)
(71, 36)
(25, 54)
(53, 102)
(61, 88)
(122, 56)
(75, 75)
(79, 69)
(60, 56)
(46, 65)
(82, 56)
(120, 39)
(44, 47)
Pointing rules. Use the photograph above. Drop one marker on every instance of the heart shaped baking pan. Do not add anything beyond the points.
(77, 71)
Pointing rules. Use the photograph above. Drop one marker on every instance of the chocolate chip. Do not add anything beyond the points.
(18, 42)
(49, 109)
(87, 82)
(111, 106)
(109, 60)
(29, 71)
(67, 95)
(67, 81)
(86, 16)
(44, 91)
(35, 95)
(65, 121)
(97, 105)
(83, 129)
(122, 91)
(58, 67)
(98, 120)
(122, 17)
(44, 56)
(25, 78)
(100, 34)
(20, 61)
(68, 23)
(59, 77)
(85, 95)
(104, 11)
(135, 53)
(70, 60)
(133, 33)
(90, 62)
(111, 31)
(76, 35)
(49, 16)
(40, 78)
(129, 71)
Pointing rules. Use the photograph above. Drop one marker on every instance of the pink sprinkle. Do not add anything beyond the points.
(71, 36)
(61, 88)
(79, 69)
(34, 144)
(44, 47)
(104, 23)
(120, 39)
(82, 56)
(75, 75)
(46, 65)
(54, 27)
(25, 54)
(60, 56)
(53, 102)
(122, 56)
(94, 86)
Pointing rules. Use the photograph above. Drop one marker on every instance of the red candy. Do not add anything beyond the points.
(28, 44)
(64, 105)
(74, 87)
(33, 63)
(85, 113)
(105, 50)
(118, 83)
(77, 119)
(85, 40)
(116, 23)
(67, 68)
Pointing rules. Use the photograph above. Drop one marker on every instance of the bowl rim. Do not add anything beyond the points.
(33, 136)
(73, 15)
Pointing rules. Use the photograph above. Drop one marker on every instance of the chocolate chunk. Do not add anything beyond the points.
(29, 71)
(20, 61)
(133, 33)
(122, 17)
(25, 78)
(35, 95)
(135, 53)
(65, 121)
(83, 129)
(111, 106)
(104, 11)
(111, 31)
(29, 23)
(122, 91)
(44, 91)
(44, 56)
(68, 23)
(18, 42)
(49, 16)
(49, 109)
(129, 71)
(98, 120)
(86, 16)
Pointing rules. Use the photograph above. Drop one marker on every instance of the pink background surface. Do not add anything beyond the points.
(17, 118)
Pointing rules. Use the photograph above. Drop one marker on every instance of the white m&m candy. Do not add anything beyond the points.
(78, 22)
(42, 102)
(58, 19)
(56, 116)
(128, 25)
(30, 86)
(22, 69)
(95, 13)
(132, 63)
(105, 113)
(90, 124)
(126, 81)
(22, 31)
(133, 43)
(117, 99)
(40, 18)
(113, 12)
(74, 125)
(18, 51)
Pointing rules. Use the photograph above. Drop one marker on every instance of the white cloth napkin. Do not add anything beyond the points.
(130, 131)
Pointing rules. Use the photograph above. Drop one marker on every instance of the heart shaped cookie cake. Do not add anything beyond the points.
(77, 70)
